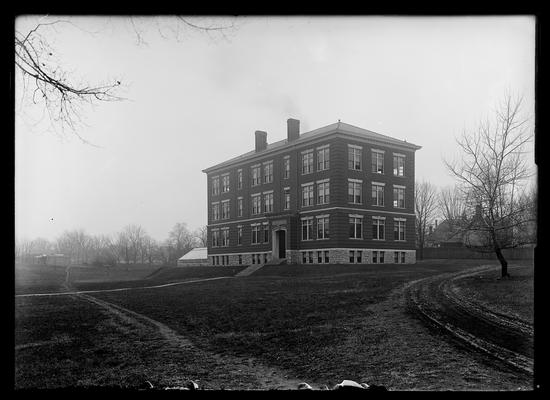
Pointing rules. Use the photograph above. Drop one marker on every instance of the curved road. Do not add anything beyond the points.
(498, 336)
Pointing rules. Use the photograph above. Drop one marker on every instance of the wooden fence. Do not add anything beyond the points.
(524, 253)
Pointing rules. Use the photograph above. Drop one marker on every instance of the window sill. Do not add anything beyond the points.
(355, 238)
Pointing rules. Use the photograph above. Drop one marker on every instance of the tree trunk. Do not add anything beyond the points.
(503, 263)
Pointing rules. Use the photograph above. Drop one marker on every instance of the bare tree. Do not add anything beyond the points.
(47, 82)
(123, 247)
(75, 244)
(181, 240)
(452, 206)
(135, 235)
(492, 173)
(201, 236)
(425, 203)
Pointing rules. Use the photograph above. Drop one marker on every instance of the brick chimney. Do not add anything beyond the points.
(293, 129)
(261, 140)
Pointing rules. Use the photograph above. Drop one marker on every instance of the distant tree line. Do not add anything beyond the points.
(132, 245)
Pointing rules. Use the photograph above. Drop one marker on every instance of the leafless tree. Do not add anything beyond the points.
(452, 205)
(123, 247)
(46, 82)
(75, 244)
(26, 247)
(181, 240)
(201, 236)
(135, 235)
(425, 204)
(492, 173)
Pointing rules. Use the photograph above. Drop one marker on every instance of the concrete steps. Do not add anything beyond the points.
(250, 270)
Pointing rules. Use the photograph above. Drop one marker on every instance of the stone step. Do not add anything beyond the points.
(250, 270)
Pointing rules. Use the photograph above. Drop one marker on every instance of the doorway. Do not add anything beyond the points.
(281, 243)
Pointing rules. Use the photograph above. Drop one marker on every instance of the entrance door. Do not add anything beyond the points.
(281, 236)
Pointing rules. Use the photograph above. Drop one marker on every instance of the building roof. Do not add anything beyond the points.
(198, 253)
(338, 127)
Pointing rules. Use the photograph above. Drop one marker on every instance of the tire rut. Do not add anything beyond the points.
(507, 339)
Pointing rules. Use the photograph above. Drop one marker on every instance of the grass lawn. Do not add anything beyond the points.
(320, 323)
(512, 295)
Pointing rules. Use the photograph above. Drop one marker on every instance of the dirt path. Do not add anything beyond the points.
(266, 378)
(70, 291)
(495, 335)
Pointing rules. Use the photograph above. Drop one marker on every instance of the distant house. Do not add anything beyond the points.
(194, 258)
(444, 234)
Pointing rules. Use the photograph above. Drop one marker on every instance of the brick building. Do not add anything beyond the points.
(337, 194)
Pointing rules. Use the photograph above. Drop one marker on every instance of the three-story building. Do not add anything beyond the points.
(337, 194)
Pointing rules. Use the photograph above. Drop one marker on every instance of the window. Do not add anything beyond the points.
(256, 178)
(225, 183)
(240, 207)
(323, 158)
(215, 238)
(255, 234)
(304, 257)
(352, 256)
(403, 257)
(225, 237)
(398, 164)
(374, 257)
(256, 204)
(240, 179)
(326, 256)
(253, 258)
(378, 225)
(307, 195)
(377, 194)
(319, 257)
(398, 230)
(268, 202)
(268, 172)
(399, 197)
(322, 228)
(286, 168)
(216, 185)
(396, 257)
(354, 192)
(240, 259)
(310, 256)
(355, 228)
(359, 256)
(215, 211)
(323, 192)
(307, 229)
(381, 254)
(354, 157)
(225, 209)
(287, 199)
(265, 258)
(307, 162)
(239, 235)
(377, 162)
(266, 233)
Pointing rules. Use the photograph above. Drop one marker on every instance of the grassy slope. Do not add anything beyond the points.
(513, 295)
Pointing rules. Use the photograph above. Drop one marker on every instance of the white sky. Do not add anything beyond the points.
(196, 102)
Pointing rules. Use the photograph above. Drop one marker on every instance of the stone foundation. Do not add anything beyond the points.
(336, 256)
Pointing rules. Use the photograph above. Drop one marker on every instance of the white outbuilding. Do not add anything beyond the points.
(194, 258)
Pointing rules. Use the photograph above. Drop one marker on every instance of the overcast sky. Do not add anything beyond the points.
(197, 101)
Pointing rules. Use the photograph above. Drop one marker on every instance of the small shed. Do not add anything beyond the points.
(194, 258)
